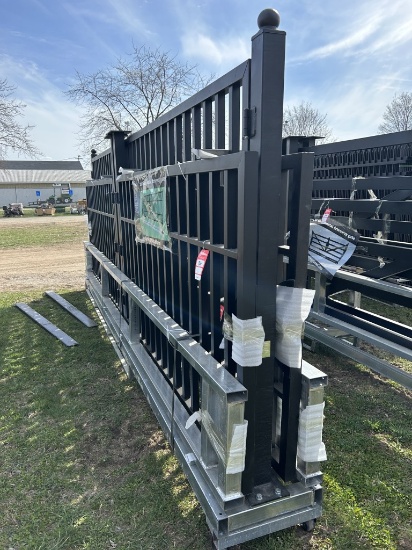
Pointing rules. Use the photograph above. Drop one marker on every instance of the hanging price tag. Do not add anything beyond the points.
(326, 214)
(200, 263)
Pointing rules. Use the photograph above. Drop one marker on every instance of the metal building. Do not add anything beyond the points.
(30, 181)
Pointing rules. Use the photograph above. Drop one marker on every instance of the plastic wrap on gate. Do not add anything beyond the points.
(310, 445)
(151, 207)
(292, 308)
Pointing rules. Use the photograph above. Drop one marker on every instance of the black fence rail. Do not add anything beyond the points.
(375, 156)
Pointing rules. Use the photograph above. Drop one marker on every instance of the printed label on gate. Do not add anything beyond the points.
(200, 263)
(326, 215)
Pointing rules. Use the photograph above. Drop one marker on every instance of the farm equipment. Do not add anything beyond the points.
(63, 194)
(13, 209)
(80, 207)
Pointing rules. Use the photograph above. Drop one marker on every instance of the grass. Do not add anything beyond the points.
(369, 469)
(40, 235)
(84, 464)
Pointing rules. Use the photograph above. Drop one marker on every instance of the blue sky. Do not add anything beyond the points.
(347, 57)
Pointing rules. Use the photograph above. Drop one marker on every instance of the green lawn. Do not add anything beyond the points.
(84, 465)
(40, 235)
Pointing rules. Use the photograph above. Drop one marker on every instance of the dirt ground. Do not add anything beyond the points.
(43, 268)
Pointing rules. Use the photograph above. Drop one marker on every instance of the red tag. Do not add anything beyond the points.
(200, 263)
(326, 215)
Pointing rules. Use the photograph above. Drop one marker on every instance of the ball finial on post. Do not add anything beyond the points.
(268, 18)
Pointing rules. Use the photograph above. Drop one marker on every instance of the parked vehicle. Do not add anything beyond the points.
(13, 209)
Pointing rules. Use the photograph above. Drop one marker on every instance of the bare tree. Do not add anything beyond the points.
(398, 114)
(131, 93)
(306, 120)
(13, 136)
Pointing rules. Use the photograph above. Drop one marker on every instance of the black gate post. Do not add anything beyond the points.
(265, 113)
(119, 158)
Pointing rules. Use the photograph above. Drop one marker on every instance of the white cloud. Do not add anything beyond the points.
(344, 45)
(354, 108)
(87, 22)
(354, 101)
(383, 25)
(56, 120)
(395, 36)
(224, 54)
(123, 16)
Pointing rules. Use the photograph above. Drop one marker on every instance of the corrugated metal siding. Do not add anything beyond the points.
(41, 165)
(43, 176)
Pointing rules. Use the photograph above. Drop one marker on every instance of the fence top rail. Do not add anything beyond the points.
(370, 206)
(220, 85)
(101, 155)
(347, 184)
(101, 181)
(207, 367)
(378, 284)
(383, 140)
(224, 162)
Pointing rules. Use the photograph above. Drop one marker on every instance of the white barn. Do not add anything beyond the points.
(31, 181)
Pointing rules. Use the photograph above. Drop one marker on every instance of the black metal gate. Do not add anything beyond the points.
(237, 206)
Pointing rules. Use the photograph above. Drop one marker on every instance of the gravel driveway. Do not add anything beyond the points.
(43, 268)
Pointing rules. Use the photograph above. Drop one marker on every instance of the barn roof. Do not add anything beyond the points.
(44, 176)
(42, 171)
(41, 165)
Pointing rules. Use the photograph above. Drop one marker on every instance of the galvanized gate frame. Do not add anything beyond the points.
(238, 206)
